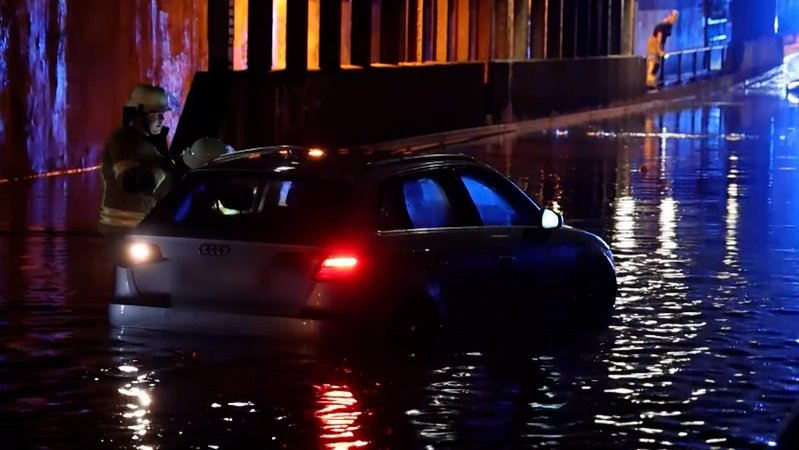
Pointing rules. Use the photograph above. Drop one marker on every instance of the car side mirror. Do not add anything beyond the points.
(550, 219)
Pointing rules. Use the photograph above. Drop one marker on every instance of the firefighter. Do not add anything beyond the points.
(135, 165)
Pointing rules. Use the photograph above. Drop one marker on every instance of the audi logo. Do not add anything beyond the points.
(214, 250)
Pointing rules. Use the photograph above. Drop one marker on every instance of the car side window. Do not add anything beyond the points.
(414, 202)
(494, 203)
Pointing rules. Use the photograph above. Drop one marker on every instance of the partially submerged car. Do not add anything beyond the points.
(286, 237)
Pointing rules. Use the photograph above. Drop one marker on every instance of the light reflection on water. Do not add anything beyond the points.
(702, 351)
(338, 413)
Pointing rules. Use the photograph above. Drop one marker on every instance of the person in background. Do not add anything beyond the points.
(656, 48)
(135, 164)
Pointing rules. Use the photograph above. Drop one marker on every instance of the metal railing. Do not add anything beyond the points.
(687, 65)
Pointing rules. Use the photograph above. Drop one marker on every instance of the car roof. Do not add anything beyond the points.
(338, 164)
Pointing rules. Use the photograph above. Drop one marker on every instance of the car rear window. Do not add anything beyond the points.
(252, 207)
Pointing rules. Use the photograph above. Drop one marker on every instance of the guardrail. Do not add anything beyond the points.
(687, 65)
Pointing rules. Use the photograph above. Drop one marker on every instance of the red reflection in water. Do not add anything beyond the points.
(338, 412)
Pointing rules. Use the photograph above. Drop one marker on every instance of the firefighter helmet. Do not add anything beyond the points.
(203, 151)
(152, 99)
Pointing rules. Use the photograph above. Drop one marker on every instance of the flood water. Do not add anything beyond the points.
(700, 204)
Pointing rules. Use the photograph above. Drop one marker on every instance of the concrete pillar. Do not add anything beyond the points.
(297, 35)
(474, 28)
(361, 32)
(764, 19)
(554, 28)
(314, 30)
(376, 32)
(428, 14)
(501, 29)
(411, 36)
(220, 35)
(259, 35)
(569, 28)
(521, 31)
(628, 27)
(329, 34)
(752, 19)
(615, 27)
(462, 25)
(391, 23)
(538, 29)
(602, 26)
(584, 35)
(441, 30)
(346, 33)
(484, 36)
(596, 27)
(452, 30)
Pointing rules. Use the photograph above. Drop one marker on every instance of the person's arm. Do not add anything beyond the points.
(660, 44)
(130, 174)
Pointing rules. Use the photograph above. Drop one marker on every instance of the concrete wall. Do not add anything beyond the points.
(67, 66)
(531, 89)
(352, 107)
(346, 107)
(757, 55)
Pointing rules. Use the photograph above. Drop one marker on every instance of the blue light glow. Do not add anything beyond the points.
(4, 30)
(185, 205)
(493, 209)
(284, 193)
(60, 103)
(426, 203)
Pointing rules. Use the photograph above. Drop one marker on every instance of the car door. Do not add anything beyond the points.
(424, 224)
(511, 236)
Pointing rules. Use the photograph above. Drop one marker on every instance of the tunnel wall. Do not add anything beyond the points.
(67, 66)
(351, 107)
(756, 55)
(523, 90)
(346, 107)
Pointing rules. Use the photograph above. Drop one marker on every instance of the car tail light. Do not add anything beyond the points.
(142, 253)
(336, 267)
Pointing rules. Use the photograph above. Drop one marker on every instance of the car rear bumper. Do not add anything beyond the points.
(215, 323)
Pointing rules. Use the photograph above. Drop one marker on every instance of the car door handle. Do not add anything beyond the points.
(506, 261)
(431, 259)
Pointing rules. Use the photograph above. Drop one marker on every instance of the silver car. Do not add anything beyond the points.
(287, 239)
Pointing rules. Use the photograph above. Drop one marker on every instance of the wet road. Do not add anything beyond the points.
(700, 204)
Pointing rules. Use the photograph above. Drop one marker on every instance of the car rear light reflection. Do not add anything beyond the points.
(336, 267)
(141, 253)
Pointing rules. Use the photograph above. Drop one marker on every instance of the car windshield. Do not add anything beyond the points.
(252, 207)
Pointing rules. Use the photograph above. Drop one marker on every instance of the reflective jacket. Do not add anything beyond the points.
(135, 177)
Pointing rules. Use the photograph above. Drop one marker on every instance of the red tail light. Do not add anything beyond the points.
(336, 267)
(142, 253)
